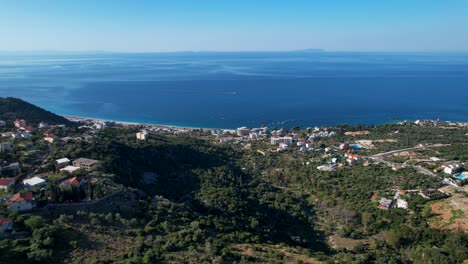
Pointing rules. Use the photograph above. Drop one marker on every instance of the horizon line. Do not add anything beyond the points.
(307, 50)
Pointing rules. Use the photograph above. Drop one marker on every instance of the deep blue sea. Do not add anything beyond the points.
(228, 90)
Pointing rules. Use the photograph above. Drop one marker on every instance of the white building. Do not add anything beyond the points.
(142, 135)
(450, 169)
(62, 162)
(254, 136)
(43, 125)
(283, 146)
(70, 169)
(281, 140)
(34, 182)
(242, 131)
(402, 204)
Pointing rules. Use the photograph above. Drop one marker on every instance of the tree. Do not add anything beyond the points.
(34, 222)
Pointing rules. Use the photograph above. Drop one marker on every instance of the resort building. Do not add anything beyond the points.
(242, 131)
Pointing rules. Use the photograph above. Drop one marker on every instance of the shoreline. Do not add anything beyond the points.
(127, 123)
(163, 126)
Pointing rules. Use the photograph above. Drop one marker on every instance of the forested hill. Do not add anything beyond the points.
(14, 108)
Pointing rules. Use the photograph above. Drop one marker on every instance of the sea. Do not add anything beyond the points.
(233, 89)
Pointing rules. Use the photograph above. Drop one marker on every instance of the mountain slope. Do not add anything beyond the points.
(14, 108)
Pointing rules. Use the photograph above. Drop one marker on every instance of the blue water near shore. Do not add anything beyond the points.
(228, 90)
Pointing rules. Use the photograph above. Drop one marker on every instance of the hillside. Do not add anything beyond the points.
(14, 108)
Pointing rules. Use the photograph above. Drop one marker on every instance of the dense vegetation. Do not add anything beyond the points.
(14, 108)
(188, 200)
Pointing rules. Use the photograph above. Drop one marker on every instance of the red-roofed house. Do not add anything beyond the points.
(352, 158)
(67, 184)
(21, 202)
(5, 224)
(51, 138)
(6, 183)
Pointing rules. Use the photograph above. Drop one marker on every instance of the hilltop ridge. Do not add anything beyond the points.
(15, 108)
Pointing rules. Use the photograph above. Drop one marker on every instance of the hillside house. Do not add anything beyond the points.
(20, 123)
(34, 182)
(63, 162)
(385, 203)
(7, 183)
(5, 147)
(70, 169)
(142, 135)
(5, 224)
(21, 202)
(85, 163)
(51, 138)
(402, 204)
(450, 169)
(43, 125)
(68, 184)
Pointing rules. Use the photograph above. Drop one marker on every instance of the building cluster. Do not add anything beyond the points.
(21, 182)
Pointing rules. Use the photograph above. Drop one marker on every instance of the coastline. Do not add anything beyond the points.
(185, 128)
(128, 124)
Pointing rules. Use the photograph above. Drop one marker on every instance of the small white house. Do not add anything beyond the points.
(70, 169)
(450, 169)
(283, 146)
(402, 204)
(62, 162)
(43, 125)
(142, 135)
(34, 182)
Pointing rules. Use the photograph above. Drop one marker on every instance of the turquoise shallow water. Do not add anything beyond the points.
(227, 90)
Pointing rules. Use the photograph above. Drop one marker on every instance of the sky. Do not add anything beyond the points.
(240, 25)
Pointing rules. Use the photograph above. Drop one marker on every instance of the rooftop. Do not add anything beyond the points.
(6, 181)
(33, 181)
(19, 197)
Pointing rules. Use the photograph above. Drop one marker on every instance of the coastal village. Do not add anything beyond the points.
(32, 179)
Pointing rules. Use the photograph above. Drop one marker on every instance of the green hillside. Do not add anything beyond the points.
(14, 108)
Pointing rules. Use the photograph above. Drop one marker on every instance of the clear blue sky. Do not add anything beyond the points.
(175, 25)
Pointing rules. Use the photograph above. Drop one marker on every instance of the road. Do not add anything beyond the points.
(418, 168)
(380, 155)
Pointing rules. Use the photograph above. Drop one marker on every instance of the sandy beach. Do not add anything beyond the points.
(124, 123)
